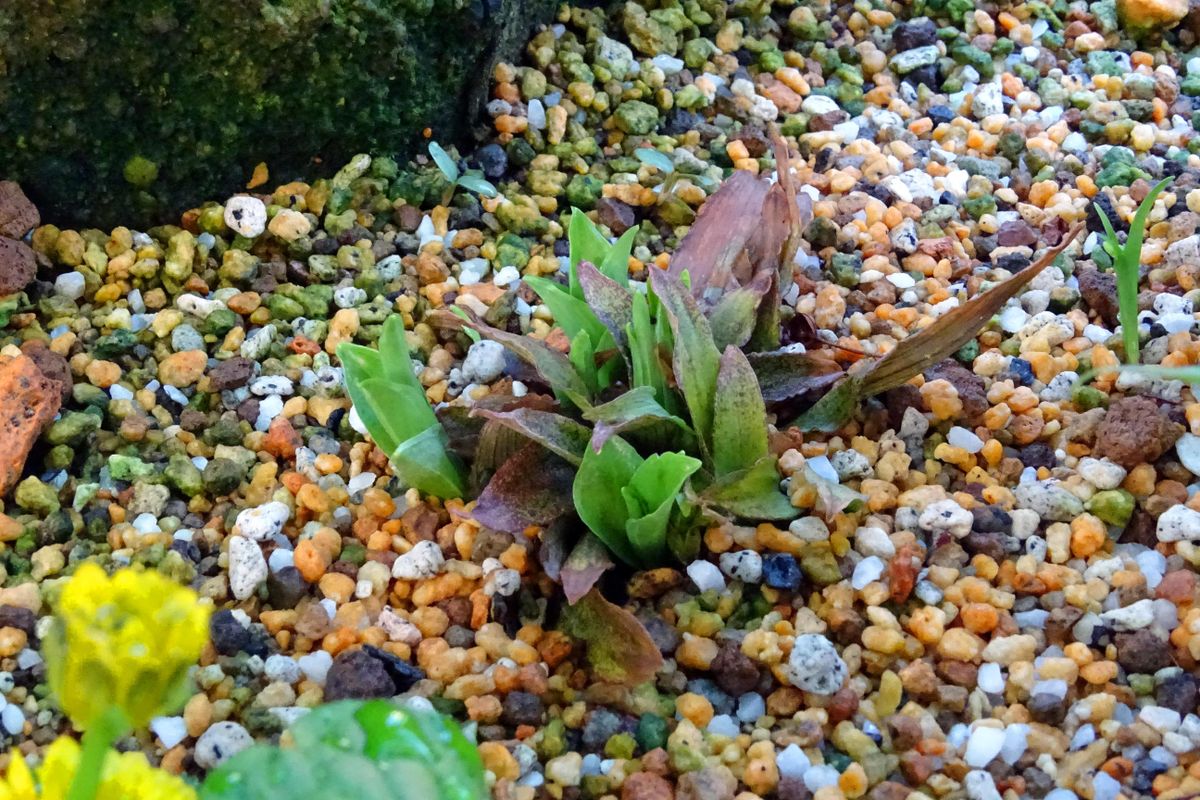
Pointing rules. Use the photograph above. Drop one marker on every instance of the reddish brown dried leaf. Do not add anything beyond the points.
(618, 647)
(588, 560)
(532, 487)
(720, 233)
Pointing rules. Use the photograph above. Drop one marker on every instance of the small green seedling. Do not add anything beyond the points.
(663, 163)
(472, 180)
(391, 403)
(1127, 263)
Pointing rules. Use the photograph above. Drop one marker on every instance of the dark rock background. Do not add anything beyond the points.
(129, 110)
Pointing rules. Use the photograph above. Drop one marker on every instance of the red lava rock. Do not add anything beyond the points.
(18, 265)
(355, 675)
(971, 390)
(710, 783)
(1099, 291)
(647, 786)
(1135, 431)
(28, 402)
(1143, 652)
(231, 374)
(51, 364)
(17, 214)
(842, 705)
(282, 439)
(618, 216)
(1178, 586)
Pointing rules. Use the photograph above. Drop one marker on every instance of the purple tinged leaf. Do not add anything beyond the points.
(560, 435)
(631, 410)
(739, 416)
(609, 301)
(530, 488)
(785, 375)
(588, 560)
(618, 647)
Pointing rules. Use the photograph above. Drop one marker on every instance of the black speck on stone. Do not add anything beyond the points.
(402, 673)
(600, 725)
(17, 617)
(1013, 262)
(523, 708)
(917, 32)
(940, 114)
(286, 587)
(357, 675)
(1038, 454)
(1178, 693)
(492, 160)
(781, 571)
(229, 636)
(991, 519)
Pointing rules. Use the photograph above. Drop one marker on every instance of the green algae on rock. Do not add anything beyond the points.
(196, 95)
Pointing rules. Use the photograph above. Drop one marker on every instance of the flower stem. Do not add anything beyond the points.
(96, 741)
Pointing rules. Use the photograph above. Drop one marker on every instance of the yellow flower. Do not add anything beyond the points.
(126, 776)
(125, 641)
(17, 783)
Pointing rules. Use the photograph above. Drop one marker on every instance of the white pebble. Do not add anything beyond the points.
(13, 719)
(70, 285)
(316, 665)
(246, 215)
(423, 561)
(484, 362)
(742, 565)
(706, 576)
(723, 725)
(983, 745)
(222, 741)
(169, 730)
(821, 775)
(815, 665)
(263, 522)
(965, 439)
(751, 706)
(282, 669)
(867, 571)
(946, 516)
(792, 762)
(990, 678)
(247, 567)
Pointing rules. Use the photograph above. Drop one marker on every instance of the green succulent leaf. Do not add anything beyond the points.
(372, 750)
(571, 314)
(444, 162)
(696, 359)
(751, 493)
(645, 364)
(583, 357)
(587, 244)
(649, 499)
(835, 408)
(739, 416)
(733, 317)
(478, 184)
(598, 498)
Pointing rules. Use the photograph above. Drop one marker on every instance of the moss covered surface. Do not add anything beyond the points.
(126, 109)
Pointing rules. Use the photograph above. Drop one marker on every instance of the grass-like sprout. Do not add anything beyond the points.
(1127, 263)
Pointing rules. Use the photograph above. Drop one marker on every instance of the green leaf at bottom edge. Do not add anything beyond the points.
(752, 493)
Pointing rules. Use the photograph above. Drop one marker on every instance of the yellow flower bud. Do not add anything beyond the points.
(126, 776)
(124, 642)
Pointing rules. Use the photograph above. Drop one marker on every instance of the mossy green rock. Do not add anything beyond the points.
(130, 111)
